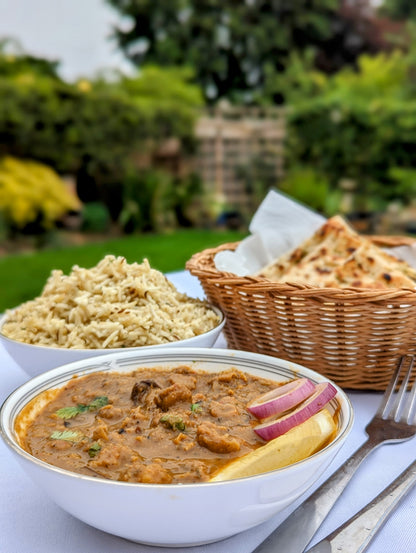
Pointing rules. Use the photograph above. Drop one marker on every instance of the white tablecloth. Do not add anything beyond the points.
(31, 523)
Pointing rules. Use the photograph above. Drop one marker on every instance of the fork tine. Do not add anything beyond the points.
(400, 398)
(409, 412)
(384, 406)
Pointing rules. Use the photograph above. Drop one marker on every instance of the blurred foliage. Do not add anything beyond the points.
(155, 200)
(183, 195)
(55, 123)
(32, 194)
(94, 129)
(144, 200)
(60, 123)
(164, 99)
(20, 62)
(357, 125)
(258, 175)
(235, 47)
(168, 100)
(230, 45)
(95, 217)
(312, 189)
(398, 9)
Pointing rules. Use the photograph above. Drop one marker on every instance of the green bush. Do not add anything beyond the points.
(167, 99)
(155, 200)
(95, 217)
(106, 120)
(312, 189)
(56, 123)
(145, 200)
(95, 127)
(358, 125)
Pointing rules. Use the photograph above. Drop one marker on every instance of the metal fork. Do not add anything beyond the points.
(392, 423)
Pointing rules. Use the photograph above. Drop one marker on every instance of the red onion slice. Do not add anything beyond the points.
(282, 399)
(323, 394)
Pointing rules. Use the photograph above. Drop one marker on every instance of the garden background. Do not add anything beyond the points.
(226, 100)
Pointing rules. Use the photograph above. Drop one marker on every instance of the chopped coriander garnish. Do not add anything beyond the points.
(173, 421)
(97, 403)
(94, 449)
(66, 435)
(196, 407)
(70, 412)
(74, 410)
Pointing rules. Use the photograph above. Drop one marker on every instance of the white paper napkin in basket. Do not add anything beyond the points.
(279, 225)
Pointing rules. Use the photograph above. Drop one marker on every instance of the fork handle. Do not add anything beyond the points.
(355, 535)
(311, 513)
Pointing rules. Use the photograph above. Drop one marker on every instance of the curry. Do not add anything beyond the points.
(150, 425)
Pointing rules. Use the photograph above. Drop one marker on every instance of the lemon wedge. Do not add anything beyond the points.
(298, 443)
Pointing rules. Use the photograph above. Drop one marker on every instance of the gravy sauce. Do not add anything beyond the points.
(150, 425)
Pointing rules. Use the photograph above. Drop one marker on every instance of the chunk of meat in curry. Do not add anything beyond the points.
(150, 425)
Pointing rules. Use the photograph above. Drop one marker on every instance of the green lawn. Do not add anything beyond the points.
(22, 276)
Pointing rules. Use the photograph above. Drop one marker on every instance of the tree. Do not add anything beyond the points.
(102, 123)
(230, 45)
(347, 130)
(14, 61)
(399, 9)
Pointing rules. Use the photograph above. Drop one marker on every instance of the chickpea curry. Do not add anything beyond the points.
(150, 425)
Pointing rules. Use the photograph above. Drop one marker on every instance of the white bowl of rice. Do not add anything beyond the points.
(112, 306)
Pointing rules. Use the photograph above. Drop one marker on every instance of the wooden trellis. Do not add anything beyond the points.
(231, 138)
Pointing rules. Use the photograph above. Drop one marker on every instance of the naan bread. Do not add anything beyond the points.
(366, 268)
(337, 256)
(325, 249)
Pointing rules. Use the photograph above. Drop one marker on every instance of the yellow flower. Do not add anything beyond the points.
(29, 189)
(84, 85)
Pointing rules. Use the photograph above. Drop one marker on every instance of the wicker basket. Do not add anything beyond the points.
(354, 337)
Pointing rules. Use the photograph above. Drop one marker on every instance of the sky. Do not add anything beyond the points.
(76, 32)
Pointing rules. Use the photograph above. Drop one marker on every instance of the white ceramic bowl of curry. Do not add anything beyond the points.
(165, 514)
